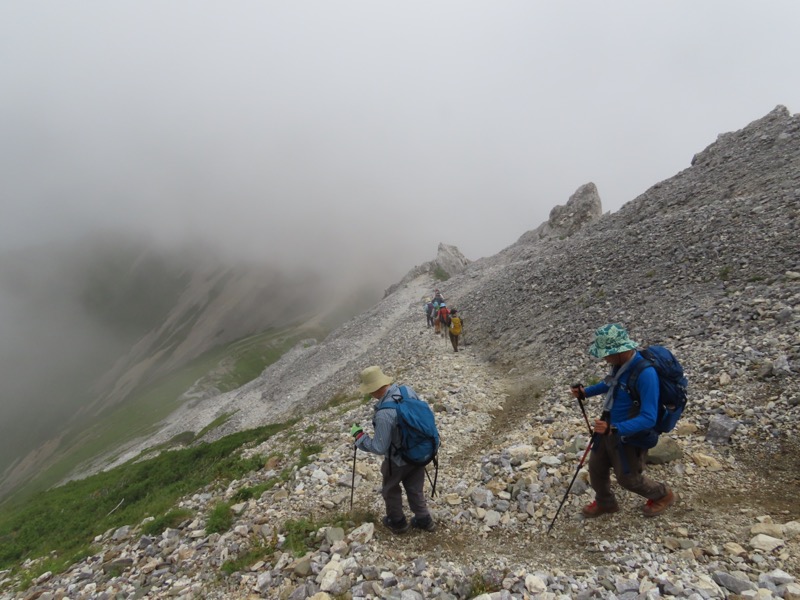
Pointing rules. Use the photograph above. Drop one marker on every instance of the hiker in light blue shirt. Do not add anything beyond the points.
(394, 469)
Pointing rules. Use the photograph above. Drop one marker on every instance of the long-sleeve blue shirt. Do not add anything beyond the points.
(387, 435)
(647, 386)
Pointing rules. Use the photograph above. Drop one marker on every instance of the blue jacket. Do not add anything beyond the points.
(647, 386)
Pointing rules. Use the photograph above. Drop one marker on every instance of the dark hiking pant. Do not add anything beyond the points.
(454, 341)
(628, 464)
(412, 478)
(430, 320)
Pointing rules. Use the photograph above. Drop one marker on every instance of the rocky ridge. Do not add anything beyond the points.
(705, 262)
(449, 261)
(583, 207)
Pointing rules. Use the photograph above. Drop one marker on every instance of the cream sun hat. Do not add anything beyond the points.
(373, 379)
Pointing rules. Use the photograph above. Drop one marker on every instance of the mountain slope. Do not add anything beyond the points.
(686, 261)
(93, 324)
(705, 262)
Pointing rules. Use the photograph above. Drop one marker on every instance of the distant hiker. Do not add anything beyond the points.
(429, 311)
(443, 318)
(388, 443)
(437, 297)
(436, 325)
(622, 440)
(456, 328)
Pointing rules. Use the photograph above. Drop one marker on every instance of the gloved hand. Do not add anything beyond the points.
(356, 431)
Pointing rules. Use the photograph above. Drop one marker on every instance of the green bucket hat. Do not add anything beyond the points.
(611, 339)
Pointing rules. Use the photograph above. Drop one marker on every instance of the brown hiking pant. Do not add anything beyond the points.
(453, 340)
(412, 477)
(628, 464)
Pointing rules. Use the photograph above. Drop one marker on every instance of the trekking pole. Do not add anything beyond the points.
(435, 475)
(574, 477)
(353, 482)
(581, 398)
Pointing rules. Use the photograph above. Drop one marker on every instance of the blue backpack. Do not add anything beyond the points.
(418, 434)
(672, 386)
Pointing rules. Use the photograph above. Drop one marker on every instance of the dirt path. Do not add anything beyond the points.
(713, 511)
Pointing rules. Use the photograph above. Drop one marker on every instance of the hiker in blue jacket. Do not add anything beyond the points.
(394, 469)
(623, 438)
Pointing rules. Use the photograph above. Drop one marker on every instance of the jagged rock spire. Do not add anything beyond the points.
(584, 206)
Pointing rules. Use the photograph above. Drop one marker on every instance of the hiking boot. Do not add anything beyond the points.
(396, 527)
(425, 523)
(656, 507)
(593, 509)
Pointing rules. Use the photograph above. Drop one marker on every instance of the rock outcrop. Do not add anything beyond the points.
(583, 207)
(448, 262)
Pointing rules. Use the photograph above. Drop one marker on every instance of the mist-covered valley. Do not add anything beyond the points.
(89, 324)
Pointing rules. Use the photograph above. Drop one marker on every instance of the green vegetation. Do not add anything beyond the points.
(64, 520)
(220, 420)
(480, 585)
(54, 564)
(300, 538)
(253, 354)
(339, 399)
(170, 520)
(725, 273)
(440, 274)
(306, 452)
(259, 551)
(220, 519)
(300, 533)
(182, 439)
(139, 415)
(344, 400)
(253, 492)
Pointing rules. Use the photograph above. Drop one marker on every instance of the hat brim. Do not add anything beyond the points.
(598, 352)
(368, 388)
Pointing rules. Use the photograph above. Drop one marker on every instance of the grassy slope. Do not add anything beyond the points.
(244, 360)
(64, 520)
(55, 528)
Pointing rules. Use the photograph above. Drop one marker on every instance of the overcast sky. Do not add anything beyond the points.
(329, 131)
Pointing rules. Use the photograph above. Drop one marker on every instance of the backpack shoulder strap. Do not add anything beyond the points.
(396, 399)
(633, 385)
